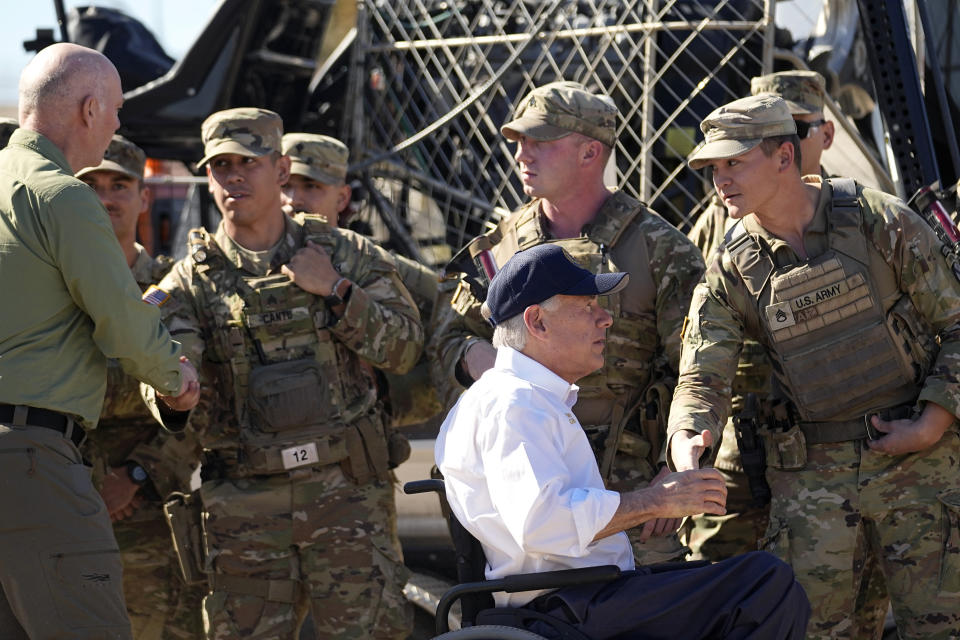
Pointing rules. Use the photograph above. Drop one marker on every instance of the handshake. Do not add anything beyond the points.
(189, 394)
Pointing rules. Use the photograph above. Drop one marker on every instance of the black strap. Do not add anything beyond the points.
(35, 417)
(825, 432)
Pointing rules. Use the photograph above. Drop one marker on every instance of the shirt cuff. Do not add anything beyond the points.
(592, 511)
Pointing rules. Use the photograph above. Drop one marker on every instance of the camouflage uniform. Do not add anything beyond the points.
(869, 324)
(643, 345)
(717, 537)
(298, 506)
(410, 398)
(158, 603)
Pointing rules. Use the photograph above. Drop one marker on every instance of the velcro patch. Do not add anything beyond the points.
(780, 316)
(155, 295)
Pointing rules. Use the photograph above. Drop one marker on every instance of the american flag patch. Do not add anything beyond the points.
(155, 295)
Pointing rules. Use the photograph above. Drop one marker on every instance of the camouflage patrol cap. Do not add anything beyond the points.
(319, 157)
(738, 127)
(121, 156)
(558, 109)
(803, 91)
(245, 130)
(7, 127)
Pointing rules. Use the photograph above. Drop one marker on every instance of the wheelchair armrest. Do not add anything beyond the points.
(555, 579)
(423, 486)
(523, 582)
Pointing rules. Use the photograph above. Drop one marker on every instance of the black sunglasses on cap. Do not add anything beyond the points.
(804, 128)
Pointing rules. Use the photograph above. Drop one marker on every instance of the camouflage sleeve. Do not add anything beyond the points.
(456, 327)
(178, 312)
(676, 267)
(907, 242)
(380, 323)
(169, 459)
(712, 339)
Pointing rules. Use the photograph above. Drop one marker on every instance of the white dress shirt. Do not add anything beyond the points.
(521, 477)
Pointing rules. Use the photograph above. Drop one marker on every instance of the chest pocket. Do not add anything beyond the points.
(294, 378)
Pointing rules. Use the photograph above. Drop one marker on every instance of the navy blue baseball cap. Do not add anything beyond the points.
(539, 273)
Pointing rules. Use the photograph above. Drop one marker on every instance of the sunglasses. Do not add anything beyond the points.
(804, 128)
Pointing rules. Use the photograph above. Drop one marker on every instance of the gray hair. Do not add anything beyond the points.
(513, 332)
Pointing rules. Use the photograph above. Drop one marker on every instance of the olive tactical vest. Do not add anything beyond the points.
(843, 338)
(612, 243)
(292, 382)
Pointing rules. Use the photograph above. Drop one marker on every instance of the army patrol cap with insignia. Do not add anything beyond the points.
(121, 156)
(246, 131)
(803, 91)
(738, 127)
(321, 158)
(7, 127)
(558, 109)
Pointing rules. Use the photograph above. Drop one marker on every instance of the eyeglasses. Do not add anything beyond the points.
(804, 128)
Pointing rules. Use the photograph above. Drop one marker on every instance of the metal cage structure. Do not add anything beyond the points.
(432, 81)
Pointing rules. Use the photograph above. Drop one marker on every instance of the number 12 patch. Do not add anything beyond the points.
(300, 455)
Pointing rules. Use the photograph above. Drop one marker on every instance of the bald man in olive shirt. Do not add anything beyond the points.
(69, 303)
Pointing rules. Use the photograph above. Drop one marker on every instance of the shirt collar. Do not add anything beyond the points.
(261, 262)
(526, 368)
(42, 145)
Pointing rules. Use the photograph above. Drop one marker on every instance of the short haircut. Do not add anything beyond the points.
(513, 332)
(771, 144)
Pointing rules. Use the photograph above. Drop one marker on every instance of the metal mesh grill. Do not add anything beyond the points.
(435, 80)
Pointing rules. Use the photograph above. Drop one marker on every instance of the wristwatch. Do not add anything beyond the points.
(138, 475)
(335, 298)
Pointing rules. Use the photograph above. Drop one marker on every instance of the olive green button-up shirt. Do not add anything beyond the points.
(67, 298)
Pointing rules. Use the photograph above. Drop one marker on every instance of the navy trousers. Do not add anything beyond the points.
(753, 596)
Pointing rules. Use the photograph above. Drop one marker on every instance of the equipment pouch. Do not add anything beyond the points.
(183, 515)
(786, 450)
(367, 450)
(291, 395)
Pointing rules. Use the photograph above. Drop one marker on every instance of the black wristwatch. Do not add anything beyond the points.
(335, 299)
(138, 475)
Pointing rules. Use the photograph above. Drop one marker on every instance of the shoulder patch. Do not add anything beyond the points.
(155, 295)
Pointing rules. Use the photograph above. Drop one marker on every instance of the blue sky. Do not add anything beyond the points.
(175, 23)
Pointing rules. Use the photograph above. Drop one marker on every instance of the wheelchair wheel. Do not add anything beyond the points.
(489, 632)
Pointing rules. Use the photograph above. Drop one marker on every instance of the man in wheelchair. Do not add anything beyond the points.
(520, 476)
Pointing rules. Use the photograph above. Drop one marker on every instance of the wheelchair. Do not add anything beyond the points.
(480, 619)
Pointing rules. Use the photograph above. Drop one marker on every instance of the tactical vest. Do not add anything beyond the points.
(844, 340)
(293, 385)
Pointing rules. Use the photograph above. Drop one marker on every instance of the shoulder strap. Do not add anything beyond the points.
(845, 220)
(614, 217)
(748, 258)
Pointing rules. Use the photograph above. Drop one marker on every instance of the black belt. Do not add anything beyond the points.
(34, 417)
(861, 428)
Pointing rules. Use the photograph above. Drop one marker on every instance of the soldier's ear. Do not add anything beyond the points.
(89, 108)
(283, 170)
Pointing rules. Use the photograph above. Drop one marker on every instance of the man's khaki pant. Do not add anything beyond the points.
(60, 568)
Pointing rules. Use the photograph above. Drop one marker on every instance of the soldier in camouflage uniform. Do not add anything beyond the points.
(848, 292)
(564, 138)
(284, 313)
(317, 185)
(129, 466)
(718, 537)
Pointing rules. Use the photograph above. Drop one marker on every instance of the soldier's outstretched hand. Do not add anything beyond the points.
(686, 448)
(310, 269)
